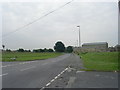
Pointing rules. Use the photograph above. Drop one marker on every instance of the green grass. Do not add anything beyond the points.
(100, 61)
(27, 56)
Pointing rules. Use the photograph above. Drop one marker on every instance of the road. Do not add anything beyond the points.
(34, 74)
(60, 72)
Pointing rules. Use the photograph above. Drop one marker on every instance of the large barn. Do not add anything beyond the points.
(96, 46)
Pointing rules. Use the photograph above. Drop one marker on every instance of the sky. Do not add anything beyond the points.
(98, 23)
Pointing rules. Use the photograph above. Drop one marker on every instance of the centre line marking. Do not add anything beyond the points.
(17, 64)
(4, 74)
(7, 65)
(27, 68)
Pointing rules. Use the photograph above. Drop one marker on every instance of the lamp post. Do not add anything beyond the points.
(79, 37)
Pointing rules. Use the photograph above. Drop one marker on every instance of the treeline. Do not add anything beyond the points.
(43, 50)
(34, 50)
(19, 50)
(59, 47)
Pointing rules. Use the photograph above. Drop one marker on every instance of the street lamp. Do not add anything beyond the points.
(79, 36)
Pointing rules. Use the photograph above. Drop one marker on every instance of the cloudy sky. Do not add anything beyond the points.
(98, 23)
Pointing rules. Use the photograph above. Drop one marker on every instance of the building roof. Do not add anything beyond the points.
(95, 43)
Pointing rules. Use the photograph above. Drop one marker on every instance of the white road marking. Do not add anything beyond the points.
(52, 80)
(62, 72)
(42, 88)
(8, 65)
(27, 68)
(55, 78)
(59, 75)
(48, 84)
(18, 64)
(24, 62)
(27, 62)
(4, 74)
(80, 71)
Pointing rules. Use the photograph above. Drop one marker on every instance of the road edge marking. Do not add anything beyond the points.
(55, 78)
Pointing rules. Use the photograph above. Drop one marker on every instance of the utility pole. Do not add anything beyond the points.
(79, 41)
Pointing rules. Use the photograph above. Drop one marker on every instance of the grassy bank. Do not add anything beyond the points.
(100, 61)
(27, 56)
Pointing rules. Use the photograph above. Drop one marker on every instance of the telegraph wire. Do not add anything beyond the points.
(5, 35)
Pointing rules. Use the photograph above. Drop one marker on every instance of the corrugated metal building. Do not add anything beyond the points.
(96, 46)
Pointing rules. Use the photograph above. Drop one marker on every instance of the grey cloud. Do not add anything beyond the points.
(96, 21)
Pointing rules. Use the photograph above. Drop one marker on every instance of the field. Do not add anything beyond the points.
(27, 56)
(100, 61)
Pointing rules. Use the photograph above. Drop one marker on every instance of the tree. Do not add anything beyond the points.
(45, 50)
(27, 50)
(42, 50)
(69, 49)
(35, 50)
(59, 47)
(8, 50)
(20, 50)
(3, 46)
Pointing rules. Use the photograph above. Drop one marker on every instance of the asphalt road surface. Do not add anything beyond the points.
(63, 71)
(35, 74)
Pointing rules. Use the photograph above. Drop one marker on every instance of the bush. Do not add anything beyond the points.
(69, 49)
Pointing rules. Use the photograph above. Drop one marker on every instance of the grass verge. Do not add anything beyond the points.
(100, 61)
(27, 56)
